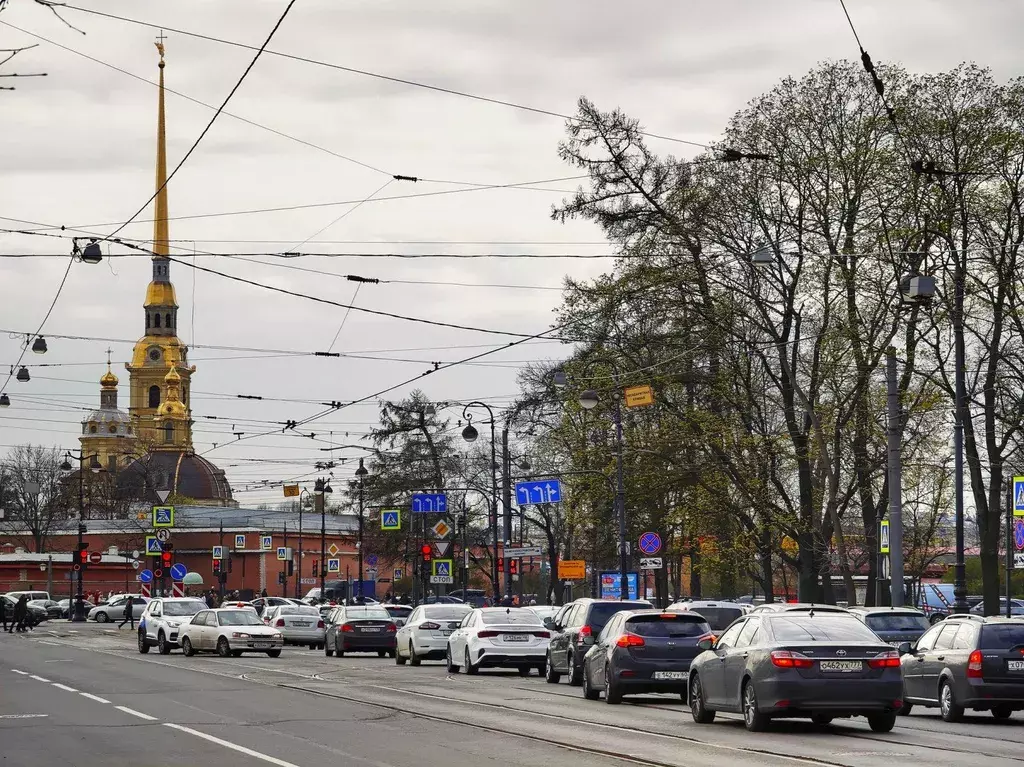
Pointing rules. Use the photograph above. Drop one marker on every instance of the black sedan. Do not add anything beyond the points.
(797, 664)
(643, 651)
(49, 606)
(360, 628)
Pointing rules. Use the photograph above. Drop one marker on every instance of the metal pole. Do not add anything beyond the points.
(506, 500)
(284, 565)
(360, 546)
(1009, 545)
(79, 607)
(620, 504)
(222, 577)
(960, 567)
(323, 541)
(494, 506)
(298, 577)
(895, 437)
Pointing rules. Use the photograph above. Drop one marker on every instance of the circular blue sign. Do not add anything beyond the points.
(650, 543)
(146, 576)
(371, 560)
(1018, 533)
(178, 572)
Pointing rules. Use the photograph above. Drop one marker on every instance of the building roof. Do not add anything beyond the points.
(182, 472)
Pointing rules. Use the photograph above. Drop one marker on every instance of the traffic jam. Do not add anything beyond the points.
(777, 660)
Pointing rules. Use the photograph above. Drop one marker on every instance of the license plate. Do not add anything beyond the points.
(841, 666)
(447, 633)
(1015, 665)
(303, 624)
(371, 629)
(261, 645)
(672, 675)
(514, 638)
(895, 644)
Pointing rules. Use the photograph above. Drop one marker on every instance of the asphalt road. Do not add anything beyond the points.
(83, 696)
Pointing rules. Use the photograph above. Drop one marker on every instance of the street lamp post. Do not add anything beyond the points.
(360, 476)
(78, 615)
(319, 488)
(303, 500)
(470, 434)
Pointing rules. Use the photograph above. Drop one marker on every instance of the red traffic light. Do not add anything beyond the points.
(216, 565)
(425, 550)
(83, 556)
(501, 564)
(513, 567)
(166, 558)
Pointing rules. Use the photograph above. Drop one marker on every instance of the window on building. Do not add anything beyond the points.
(168, 432)
(154, 396)
(167, 321)
(92, 428)
(156, 320)
(113, 428)
(112, 464)
(147, 320)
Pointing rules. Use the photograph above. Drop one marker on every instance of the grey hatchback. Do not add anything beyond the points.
(797, 664)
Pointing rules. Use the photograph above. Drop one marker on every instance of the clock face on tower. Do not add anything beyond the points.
(155, 355)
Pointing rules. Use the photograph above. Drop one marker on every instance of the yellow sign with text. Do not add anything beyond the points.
(291, 491)
(572, 569)
(639, 396)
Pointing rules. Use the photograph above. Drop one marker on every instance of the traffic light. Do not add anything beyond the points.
(425, 550)
(290, 568)
(280, 578)
(165, 559)
(501, 564)
(513, 567)
(216, 566)
(83, 557)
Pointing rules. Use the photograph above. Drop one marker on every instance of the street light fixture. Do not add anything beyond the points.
(23, 375)
(5, 401)
(92, 253)
(470, 434)
(589, 399)
(39, 345)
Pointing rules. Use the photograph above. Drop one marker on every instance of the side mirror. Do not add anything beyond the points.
(549, 624)
(904, 648)
(706, 644)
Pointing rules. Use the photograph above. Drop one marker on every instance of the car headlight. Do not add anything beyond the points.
(240, 635)
(173, 624)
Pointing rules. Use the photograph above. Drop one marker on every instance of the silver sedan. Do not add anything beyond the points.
(298, 624)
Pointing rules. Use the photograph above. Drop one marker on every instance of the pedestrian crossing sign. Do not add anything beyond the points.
(883, 538)
(153, 546)
(391, 519)
(334, 565)
(267, 542)
(1018, 496)
(441, 567)
(163, 516)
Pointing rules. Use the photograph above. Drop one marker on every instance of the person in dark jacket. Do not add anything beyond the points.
(129, 614)
(3, 611)
(20, 612)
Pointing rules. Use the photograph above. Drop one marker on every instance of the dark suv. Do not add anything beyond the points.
(894, 625)
(578, 626)
(966, 662)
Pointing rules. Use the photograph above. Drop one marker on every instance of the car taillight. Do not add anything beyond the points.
(787, 659)
(320, 624)
(586, 631)
(630, 640)
(890, 659)
(280, 623)
(391, 628)
(487, 634)
(974, 665)
(428, 626)
(347, 627)
(541, 634)
(710, 636)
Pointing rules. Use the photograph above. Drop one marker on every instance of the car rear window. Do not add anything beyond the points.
(676, 625)
(370, 613)
(446, 612)
(511, 615)
(719, 618)
(601, 612)
(820, 628)
(297, 610)
(897, 622)
(1001, 637)
(398, 611)
(183, 608)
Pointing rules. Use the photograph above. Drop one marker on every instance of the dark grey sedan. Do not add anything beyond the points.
(643, 651)
(797, 664)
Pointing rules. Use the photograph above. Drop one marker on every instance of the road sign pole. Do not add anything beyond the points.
(620, 502)
(1010, 543)
(897, 589)
(506, 500)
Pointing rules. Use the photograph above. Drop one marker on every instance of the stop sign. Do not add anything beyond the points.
(95, 557)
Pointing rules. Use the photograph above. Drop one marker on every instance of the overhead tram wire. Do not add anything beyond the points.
(367, 73)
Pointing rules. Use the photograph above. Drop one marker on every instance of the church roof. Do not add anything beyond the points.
(181, 472)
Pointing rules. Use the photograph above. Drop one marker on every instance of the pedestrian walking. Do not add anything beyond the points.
(263, 593)
(129, 614)
(20, 611)
(4, 602)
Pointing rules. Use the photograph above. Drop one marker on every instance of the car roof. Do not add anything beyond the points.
(887, 610)
(782, 607)
(176, 599)
(695, 604)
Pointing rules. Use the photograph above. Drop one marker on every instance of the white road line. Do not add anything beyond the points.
(23, 673)
(96, 698)
(23, 716)
(232, 746)
(51, 644)
(37, 678)
(64, 687)
(133, 712)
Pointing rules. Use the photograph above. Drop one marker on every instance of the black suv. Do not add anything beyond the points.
(894, 625)
(966, 662)
(578, 626)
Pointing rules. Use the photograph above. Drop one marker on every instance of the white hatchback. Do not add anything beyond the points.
(298, 624)
(498, 637)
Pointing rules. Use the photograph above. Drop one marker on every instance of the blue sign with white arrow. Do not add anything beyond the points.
(425, 503)
(178, 572)
(146, 576)
(539, 491)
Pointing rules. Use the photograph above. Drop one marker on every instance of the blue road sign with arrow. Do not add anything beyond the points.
(371, 560)
(425, 503)
(539, 491)
(178, 572)
(146, 576)
(1018, 534)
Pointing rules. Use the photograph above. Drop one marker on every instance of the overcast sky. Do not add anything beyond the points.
(78, 150)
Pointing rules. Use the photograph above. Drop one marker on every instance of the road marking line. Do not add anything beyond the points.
(96, 698)
(23, 673)
(133, 712)
(233, 746)
(51, 644)
(23, 716)
(64, 687)
(37, 678)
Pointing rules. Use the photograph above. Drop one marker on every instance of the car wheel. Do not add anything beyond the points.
(575, 673)
(451, 667)
(470, 668)
(524, 671)
(274, 653)
(187, 648)
(328, 651)
(381, 653)
(821, 719)
(399, 659)
(1002, 712)
(753, 719)
(102, 617)
(143, 644)
(314, 646)
(698, 710)
(540, 669)
(550, 675)
(393, 653)
(162, 645)
(951, 712)
(414, 659)
(882, 722)
(612, 691)
(588, 689)
(223, 648)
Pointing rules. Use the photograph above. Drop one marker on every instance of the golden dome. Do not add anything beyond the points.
(172, 376)
(108, 380)
(160, 294)
(171, 408)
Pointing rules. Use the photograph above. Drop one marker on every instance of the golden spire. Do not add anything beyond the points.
(161, 235)
(108, 380)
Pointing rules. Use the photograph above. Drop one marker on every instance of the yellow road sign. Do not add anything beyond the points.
(638, 396)
(572, 569)
(291, 491)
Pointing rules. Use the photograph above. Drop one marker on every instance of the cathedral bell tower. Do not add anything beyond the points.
(159, 370)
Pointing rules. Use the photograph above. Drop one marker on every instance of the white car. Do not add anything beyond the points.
(229, 632)
(424, 635)
(498, 637)
(113, 610)
(298, 624)
(161, 620)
